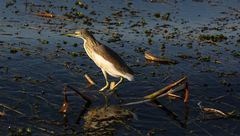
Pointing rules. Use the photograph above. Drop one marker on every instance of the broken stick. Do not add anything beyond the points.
(165, 89)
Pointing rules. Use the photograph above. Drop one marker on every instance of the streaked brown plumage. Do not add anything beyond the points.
(104, 57)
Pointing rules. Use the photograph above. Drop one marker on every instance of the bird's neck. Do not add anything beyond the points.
(84, 40)
(90, 41)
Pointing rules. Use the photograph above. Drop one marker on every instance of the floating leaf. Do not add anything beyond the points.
(149, 56)
(45, 14)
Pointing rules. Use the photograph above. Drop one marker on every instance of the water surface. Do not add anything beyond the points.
(36, 62)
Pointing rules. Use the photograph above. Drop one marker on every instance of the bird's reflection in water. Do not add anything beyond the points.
(104, 120)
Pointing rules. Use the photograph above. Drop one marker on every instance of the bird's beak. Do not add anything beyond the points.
(70, 35)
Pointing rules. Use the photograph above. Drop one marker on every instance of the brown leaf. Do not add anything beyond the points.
(149, 56)
(45, 14)
(64, 108)
(2, 114)
(215, 111)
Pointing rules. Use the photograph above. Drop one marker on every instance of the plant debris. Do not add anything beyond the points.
(212, 38)
(11, 109)
(157, 15)
(115, 37)
(168, 90)
(65, 104)
(91, 82)
(214, 111)
(2, 114)
(149, 56)
(45, 14)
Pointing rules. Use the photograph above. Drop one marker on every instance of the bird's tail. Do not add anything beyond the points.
(129, 77)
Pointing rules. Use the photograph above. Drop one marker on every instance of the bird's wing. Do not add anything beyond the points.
(113, 58)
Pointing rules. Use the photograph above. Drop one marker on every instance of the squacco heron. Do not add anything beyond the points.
(105, 58)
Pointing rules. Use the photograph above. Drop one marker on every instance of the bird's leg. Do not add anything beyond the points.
(106, 79)
(119, 82)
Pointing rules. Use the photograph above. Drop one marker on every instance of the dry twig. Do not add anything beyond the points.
(90, 80)
(164, 91)
(64, 107)
(215, 111)
(11, 109)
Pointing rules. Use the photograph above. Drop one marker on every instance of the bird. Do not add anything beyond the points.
(105, 58)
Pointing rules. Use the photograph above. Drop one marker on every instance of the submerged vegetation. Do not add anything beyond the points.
(212, 38)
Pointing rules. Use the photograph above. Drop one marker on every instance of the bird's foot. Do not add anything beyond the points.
(104, 88)
(113, 89)
(114, 86)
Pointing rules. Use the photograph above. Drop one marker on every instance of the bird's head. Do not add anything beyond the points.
(82, 33)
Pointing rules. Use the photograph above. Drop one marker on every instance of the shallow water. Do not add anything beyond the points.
(36, 62)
